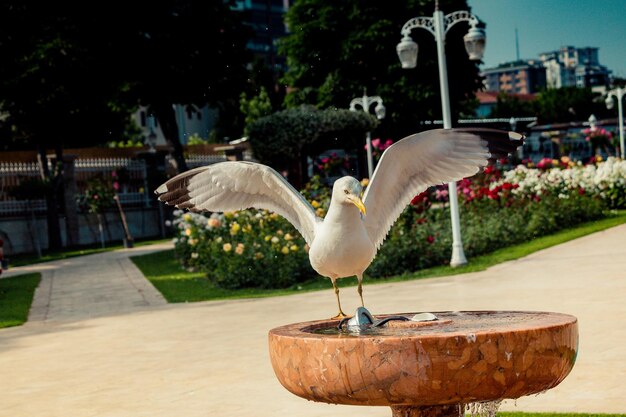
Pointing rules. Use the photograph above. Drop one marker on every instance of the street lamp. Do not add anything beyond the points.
(474, 40)
(365, 102)
(151, 139)
(618, 93)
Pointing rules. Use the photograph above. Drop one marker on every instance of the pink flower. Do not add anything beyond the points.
(376, 143)
(387, 144)
(116, 186)
(325, 160)
(441, 194)
(430, 239)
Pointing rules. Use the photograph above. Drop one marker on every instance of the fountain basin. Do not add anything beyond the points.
(466, 357)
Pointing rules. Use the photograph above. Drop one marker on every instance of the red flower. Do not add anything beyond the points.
(421, 220)
(421, 197)
(507, 186)
(581, 191)
(430, 239)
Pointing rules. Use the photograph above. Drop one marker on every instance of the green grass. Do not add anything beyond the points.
(178, 285)
(519, 414)
(21, 260)
(16, 296)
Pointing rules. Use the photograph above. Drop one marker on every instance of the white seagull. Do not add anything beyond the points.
(344, 243)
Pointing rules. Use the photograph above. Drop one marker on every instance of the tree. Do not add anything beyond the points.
(188, 52)
(47, 101)
(511, 106)
(335, 49)
(569, 104)
(255, 107)
(284, 139)
(73, 72)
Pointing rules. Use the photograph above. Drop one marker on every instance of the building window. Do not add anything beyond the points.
(142, 118)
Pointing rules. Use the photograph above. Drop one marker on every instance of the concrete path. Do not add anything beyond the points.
(143, 358)
(91, 286)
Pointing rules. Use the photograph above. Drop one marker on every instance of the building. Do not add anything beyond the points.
(518, 77)
(265, 18)
(574, 67)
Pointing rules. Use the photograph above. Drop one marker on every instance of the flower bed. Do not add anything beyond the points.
(260, 249)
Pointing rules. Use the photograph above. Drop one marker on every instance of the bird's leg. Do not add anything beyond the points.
(360, 288)
(341, 314)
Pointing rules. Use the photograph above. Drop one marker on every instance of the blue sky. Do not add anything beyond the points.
(546, 25)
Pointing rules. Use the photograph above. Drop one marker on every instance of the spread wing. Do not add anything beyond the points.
(231, 186)
(417, 162)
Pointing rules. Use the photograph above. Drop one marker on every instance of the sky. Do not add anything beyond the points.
(546, 25)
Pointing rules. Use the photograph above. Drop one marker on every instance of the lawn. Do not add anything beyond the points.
(178, 285)
(519, 414)
(16, 296)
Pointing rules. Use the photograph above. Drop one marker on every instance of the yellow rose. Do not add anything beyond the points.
(187, 217)
(188, 231)
(227, 247)
(288, 237)
(598, 158)
(267, 238)
(365, 182)
(239, 250)
(315, 204)
(234, 228)
(229, 214)
(320, 212)
(279, 232)
(285, 250)
(273, 216)
(294, 248)
(213, 222)
(274, 239)
(258, 255)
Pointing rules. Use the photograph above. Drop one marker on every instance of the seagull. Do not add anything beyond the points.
(345, 241)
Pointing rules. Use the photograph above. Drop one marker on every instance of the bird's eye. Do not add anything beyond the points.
(346, 192)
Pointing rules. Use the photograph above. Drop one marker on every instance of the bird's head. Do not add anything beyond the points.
(348, 190)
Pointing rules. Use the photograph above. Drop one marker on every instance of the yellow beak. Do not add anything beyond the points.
(359, 204)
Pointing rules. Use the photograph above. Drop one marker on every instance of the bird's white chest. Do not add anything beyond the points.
(341, 249)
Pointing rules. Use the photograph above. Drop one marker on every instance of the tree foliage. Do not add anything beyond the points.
(287, 136)
(72, 72)
(511, 106)
(255, 107)
(566, 104)
(335, 49)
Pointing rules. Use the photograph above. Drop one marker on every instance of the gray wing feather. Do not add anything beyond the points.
(231, 186)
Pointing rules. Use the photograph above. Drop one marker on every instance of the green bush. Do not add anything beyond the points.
(248, 249)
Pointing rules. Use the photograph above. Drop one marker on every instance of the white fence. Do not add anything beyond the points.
(133, 189)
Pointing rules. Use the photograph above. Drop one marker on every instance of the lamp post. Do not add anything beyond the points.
(365, 102)
(151, 139)
(438, 25)
(618, 93)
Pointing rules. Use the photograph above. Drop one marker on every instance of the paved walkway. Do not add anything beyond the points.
(103, 343)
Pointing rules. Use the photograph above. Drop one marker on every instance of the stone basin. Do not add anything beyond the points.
(432, 368)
